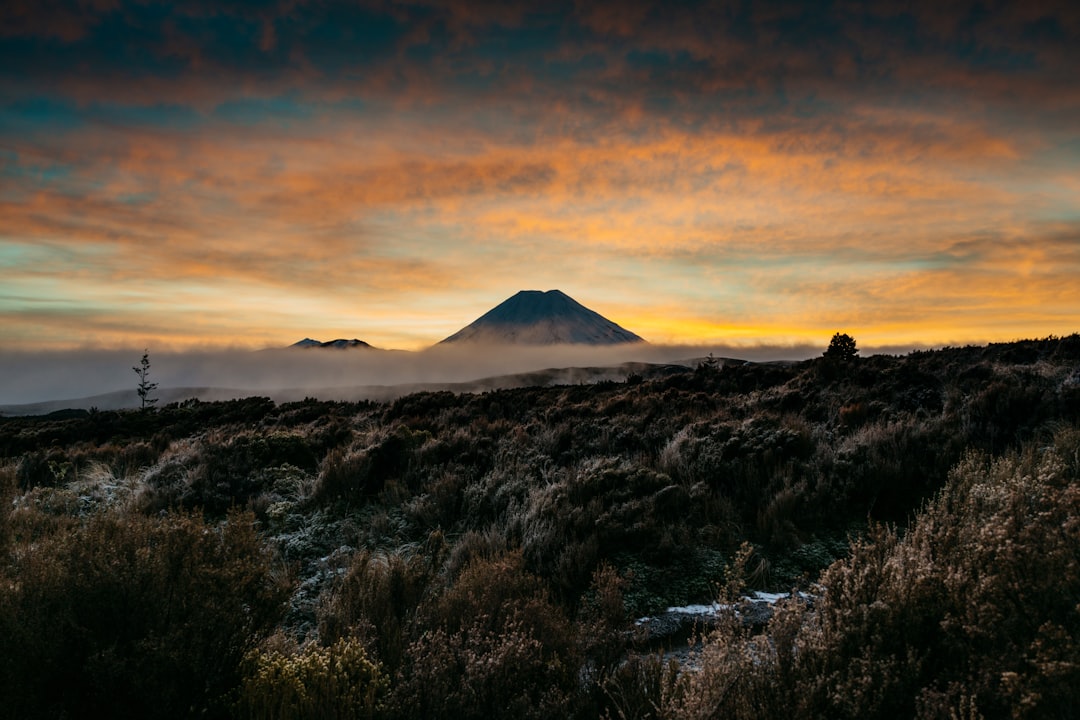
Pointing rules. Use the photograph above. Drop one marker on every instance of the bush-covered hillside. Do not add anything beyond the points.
(484, 555)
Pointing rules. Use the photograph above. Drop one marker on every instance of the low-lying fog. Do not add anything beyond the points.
(54, 376)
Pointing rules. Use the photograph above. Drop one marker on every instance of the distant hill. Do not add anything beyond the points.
(533, 317)
(339, 344)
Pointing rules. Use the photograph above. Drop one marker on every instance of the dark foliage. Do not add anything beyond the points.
(232, 472)
(494, 646)
(841, 348)
(125, 616)
(483, 554)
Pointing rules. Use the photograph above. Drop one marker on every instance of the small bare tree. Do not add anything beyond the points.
(145, 387)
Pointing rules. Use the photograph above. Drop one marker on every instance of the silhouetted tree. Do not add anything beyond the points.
(145, 387)
(842, 348)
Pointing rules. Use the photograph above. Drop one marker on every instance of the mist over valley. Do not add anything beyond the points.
(532, 338)
(94, 377)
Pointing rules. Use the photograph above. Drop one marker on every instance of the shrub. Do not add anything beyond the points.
(972, 612)
(338, 682)
(133, 458)
(353, 476)
(379, 592)
(8, 483)
(603, 508)
(343, 473)
(602, 618)
(132, 616)
(641, 688)
(40, 468)
(492, 646)
(230, 473)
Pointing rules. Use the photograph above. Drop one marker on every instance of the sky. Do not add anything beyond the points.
(227, 174)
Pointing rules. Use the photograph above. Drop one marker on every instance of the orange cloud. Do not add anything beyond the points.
(884, 220)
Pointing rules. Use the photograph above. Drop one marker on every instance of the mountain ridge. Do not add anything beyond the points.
(339, 344)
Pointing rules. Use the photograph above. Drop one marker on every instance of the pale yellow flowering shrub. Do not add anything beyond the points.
(335, 682)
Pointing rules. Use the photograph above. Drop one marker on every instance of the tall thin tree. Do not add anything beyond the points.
(145, 387)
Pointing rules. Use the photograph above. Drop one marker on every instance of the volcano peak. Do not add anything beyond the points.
(536, 317)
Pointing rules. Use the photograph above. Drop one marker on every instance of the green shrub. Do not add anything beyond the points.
(40, 468)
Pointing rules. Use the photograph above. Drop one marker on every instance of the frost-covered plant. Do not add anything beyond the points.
(971, 613)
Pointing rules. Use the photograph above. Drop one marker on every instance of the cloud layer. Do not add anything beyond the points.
(330, 374)
(245, 174)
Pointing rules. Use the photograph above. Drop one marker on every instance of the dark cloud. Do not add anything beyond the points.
(667, 54)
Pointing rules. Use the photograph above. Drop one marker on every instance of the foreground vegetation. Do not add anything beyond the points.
(484, 555)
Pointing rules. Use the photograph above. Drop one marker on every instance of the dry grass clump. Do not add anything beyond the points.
(351, 476)
(378, 596)
(493, 645)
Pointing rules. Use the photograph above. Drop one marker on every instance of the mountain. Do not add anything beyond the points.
(533, 317)
(339, 344)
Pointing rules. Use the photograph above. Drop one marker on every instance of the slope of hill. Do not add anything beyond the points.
(533, 317)
(477, 552)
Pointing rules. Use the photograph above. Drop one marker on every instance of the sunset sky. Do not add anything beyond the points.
(237, 174)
